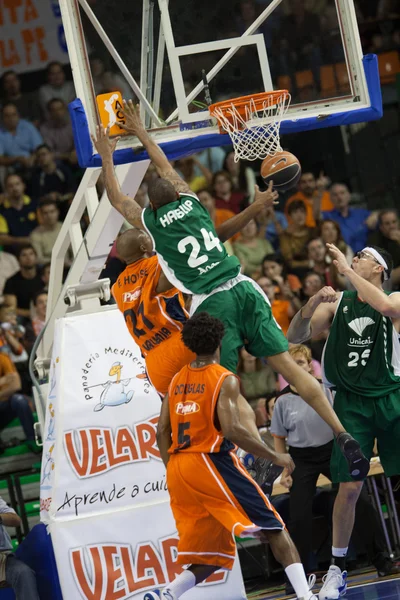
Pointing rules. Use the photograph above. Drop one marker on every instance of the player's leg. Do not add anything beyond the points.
(357, 415)
(265, 338)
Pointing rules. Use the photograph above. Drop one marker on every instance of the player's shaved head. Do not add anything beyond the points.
(161, 191)
(134, 244)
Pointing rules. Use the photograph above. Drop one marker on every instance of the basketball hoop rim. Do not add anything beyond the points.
(257, 99)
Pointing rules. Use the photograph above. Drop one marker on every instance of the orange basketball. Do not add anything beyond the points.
(283, 168)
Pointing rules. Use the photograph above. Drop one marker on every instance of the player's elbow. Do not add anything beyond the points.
(387, 309)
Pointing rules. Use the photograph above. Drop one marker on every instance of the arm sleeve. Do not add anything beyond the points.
(4, 508)
(6, 365)
(36, 138)
(9, 288)
(277, 426)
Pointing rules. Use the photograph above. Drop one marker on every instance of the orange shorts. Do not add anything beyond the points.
(164, 362)
(213, 499)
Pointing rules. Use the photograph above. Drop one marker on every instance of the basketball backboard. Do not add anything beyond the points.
(157, 52)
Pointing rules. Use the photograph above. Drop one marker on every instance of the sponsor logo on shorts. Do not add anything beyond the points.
(131, 296)
(186, 408)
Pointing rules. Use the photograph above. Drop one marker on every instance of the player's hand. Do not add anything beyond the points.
(267, 198)
(102, 142)
(285, 461)
(339, 259)
(133, 123)
(286, 480)
(325, 295)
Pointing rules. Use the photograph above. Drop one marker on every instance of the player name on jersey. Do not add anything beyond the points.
(177, 213)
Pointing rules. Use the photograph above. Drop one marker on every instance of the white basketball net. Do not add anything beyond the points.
(255, 136)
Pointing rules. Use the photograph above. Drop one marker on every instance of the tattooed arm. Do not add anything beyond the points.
(125, 205)
(134, 126)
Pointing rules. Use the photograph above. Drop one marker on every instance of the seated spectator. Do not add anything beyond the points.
(329, 232)
(13, 342)
(293, 241)
(271, 224)
(44, 236)
(212, 158)
(312, 283)
(274, 268)
(320, 262)
(313, 192)
(12, 403)
(225, 196)
(218, 215)
(18, 140)
(282, 309)
(38, 320)
(387, 236)
(105, 80)
(256, 378)
(26, 103)
(45, 276)
(56, 87)
(310, 441)
(251, 249)
(21, 288)
(52, 180)
(186, 166)
(354, 223)
(8, 267)
(15, 572)
(243, 177)
(57, 132)
(264, 411)
(18, 212)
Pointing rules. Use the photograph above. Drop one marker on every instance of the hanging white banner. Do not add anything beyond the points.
(123, 555)
(31, 35)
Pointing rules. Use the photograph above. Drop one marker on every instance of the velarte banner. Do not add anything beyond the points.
(101, 452)
(121, 556)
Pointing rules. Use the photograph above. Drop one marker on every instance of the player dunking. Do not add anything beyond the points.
(361, 362)
(193, 258)
(212, 496)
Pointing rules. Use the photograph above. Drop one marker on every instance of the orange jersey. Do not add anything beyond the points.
(193, 396)
(154, 320)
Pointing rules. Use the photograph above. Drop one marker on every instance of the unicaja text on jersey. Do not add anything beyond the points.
(177, 213)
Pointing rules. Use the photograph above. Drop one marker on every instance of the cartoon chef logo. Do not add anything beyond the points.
(115, 390)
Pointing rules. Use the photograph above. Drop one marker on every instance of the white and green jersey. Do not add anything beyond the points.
(362, 352)
(192, 257)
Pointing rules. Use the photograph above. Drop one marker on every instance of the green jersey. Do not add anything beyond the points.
(362, 352)
(189, 251)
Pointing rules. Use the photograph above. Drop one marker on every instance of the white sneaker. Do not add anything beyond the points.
(165, 594)
(334, 584)
(311, 583)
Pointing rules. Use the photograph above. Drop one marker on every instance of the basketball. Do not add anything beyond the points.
(283, 168)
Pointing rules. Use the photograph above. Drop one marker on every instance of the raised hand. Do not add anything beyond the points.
(102, 142)
(133, 123)
(267, 198)
(325, 295)
(339, 259)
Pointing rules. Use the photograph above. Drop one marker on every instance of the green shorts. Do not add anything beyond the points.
(246, 313)
(367, 419)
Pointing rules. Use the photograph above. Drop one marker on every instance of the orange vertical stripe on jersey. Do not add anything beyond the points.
(193, 395)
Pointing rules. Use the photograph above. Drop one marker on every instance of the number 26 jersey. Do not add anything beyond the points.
(189, 251)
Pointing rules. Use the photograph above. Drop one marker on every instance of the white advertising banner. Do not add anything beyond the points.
(104, 417)
(124, 555)
(103, 484)
(31, 35)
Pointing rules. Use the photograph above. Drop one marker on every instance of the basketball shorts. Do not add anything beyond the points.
(164, 362)
(245, 311)
(213, 499)
(367, 420)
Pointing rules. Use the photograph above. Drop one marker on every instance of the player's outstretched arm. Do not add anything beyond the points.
(389, 306)
(229, 419)
(314, 317)
(128, 207)
(164, 431)
(133, 125)
(262, 200)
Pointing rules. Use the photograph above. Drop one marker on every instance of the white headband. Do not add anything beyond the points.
(380, 260)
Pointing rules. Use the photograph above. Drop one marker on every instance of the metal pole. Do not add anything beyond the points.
(144, 53)
(391, 508)
(159, 69)
(381, 516)
(227, 56)
(394, 508)
(123, 68)
(150, 60)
